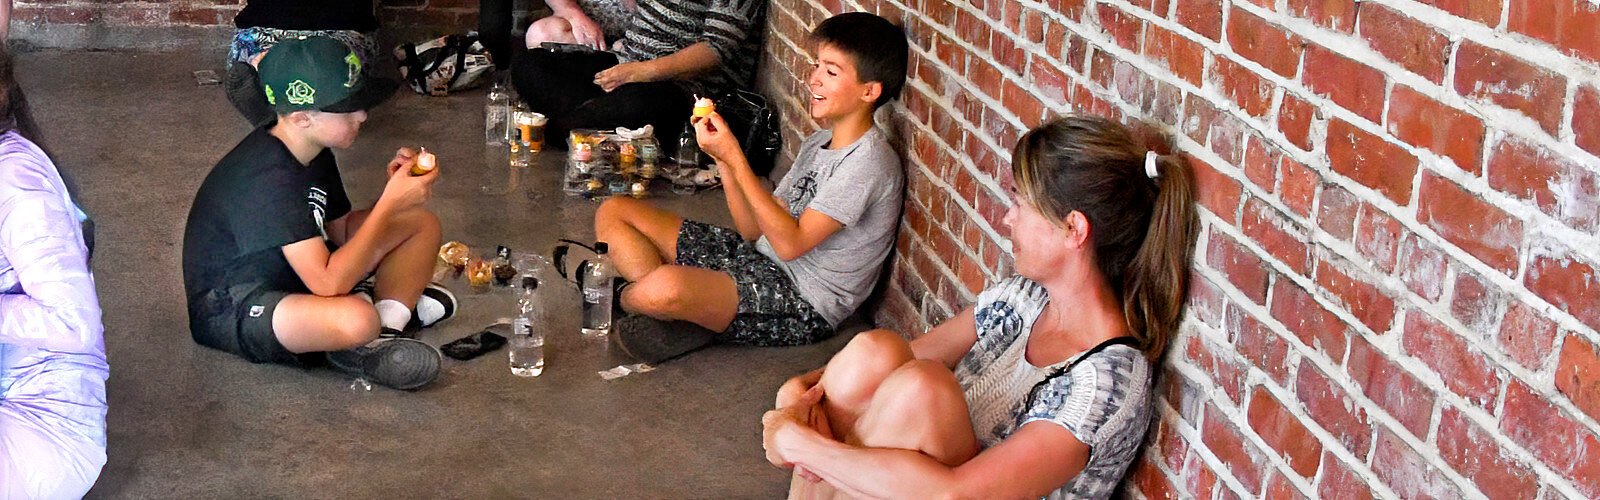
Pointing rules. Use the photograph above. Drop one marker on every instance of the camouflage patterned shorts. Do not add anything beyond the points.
(771, 311)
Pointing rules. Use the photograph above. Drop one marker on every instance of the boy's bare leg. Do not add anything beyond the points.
(641, 237)
(308, 323)
(700, 296)
(404, 271)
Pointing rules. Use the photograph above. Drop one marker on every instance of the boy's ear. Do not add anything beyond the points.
(298, 118)
(874, 89)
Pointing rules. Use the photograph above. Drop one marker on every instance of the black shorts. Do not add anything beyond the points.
(239, 321)
(771, 311)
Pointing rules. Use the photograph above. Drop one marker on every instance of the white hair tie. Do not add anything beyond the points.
(1150, 164)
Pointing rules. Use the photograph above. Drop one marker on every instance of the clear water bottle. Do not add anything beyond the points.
(527, 341)
(688, 149)
(597, 292)
(497, 115)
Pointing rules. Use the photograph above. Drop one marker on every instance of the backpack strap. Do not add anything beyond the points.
(461, 44)
(1125, 340)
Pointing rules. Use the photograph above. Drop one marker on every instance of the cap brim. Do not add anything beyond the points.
(373, 92)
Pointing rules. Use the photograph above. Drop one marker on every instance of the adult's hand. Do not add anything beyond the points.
(623, 74)
(799, 414)
(585, 30)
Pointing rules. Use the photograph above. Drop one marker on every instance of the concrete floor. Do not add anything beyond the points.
(186, 421)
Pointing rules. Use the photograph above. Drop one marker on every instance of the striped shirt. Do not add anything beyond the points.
(731, 27)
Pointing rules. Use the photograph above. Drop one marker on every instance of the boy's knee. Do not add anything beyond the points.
(659, 293)
(356, 324)
(614, 209)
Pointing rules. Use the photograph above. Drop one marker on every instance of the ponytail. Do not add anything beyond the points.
(1156, 285)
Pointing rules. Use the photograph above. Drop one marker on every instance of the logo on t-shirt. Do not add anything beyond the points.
(804, 190)
(318, 200)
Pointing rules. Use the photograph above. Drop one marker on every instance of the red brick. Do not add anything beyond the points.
(1371, 161)
(1337, 15)
(1150, 481)
(1165, 104)
(1242, 86)
(1339, 482)
(1070, 8)
(1226, 137)
(1004, 50)
(202, 17)
(1313, 324)
(1124, 28)
(1225, 441)
(1369, 305)
(1279, 487)
(1336, 212)
(1351, 85)
(1468, 222)
(1281, 238)
(1215, 191)
(1586, 119)
(1473, 452)
(1050, 82)
(1257, 40)
(1422, 268)
(1407, 473)
(1188, 400)
(1486, 74)
(1560, 187)
(1378, 237)
(1578, 375)
(1483, 11)
(1476, 304)
(1242, 268)
(1404, 40)
(1260, 345)
(1526, 336)
(1297, 185)
(1571, 25)
(1228, 375)
(1333, 409)
(1394, 390)
(1568, 283)
(1420, 120)
(1294, 120)
(1261, 163)
(1464, 370)
(1185, 57)
(1284, 433)
(1202, 16)
(1024, 104)
(1202, 481)
(1530, 420)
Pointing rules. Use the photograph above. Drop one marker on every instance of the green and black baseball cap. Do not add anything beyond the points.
(315, 73)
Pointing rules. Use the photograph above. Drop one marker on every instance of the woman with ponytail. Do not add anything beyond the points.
(52, 353)
(1043, 387)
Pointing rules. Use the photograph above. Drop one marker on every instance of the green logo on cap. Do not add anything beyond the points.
(301, 93)
(354, 63)
(271, 99)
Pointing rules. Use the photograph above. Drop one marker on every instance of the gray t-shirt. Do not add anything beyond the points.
(860, 186)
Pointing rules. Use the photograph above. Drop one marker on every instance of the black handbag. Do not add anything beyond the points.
(756, 125)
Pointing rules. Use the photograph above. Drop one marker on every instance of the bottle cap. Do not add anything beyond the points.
(530, 283)
(502, 251)
(600, 247)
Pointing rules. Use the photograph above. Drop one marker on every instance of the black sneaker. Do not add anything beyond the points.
(652, 341)
(397, 363)
(439, 301)
(390, 333)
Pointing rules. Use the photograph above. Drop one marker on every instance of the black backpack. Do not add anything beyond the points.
(756, 125)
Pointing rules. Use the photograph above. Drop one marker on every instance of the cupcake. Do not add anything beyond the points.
(425, 163)
(703, 108)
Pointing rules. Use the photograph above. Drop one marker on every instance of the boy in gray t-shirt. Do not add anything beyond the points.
(800, 259)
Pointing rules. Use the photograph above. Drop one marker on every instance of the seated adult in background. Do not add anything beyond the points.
(593, 23)
(262, 23)
(671, 51)
(52, 349)
(1043, 387)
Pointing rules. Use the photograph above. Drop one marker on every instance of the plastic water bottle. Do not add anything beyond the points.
(527, 342)
(597, 293)
(497, 115)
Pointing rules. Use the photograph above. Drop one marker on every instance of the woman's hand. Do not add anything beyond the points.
(623, 74)
(803, 412)
(585, 30)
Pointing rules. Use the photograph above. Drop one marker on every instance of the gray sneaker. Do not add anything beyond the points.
(397, 363)
(652, 341)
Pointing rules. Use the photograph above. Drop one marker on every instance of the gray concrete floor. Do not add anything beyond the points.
(186, 421)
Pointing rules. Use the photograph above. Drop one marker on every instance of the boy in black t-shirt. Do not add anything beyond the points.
(272, 249)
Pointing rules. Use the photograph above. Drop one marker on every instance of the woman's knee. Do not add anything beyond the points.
(920, 406)
(870, 356)
(549, 29)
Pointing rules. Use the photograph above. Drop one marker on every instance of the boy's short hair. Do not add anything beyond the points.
(878, 48)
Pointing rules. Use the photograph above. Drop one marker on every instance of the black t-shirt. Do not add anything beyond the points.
(353, 15)
(256, 200)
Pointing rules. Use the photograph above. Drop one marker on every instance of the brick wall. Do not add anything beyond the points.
(1395, 291)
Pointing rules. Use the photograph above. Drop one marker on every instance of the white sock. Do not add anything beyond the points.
(429, 311)
(393, 314)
